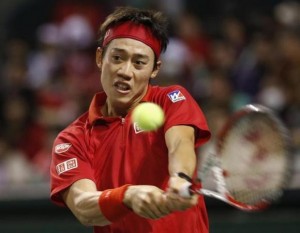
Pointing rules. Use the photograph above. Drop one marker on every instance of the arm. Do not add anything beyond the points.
(82, 199)
(180, 141)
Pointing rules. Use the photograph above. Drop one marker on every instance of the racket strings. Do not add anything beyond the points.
(251, 198)
(254, 160)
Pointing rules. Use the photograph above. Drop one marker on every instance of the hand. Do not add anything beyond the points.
(174, 200)
(147, 201)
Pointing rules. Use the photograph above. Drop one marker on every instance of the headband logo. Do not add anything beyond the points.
(107, 34)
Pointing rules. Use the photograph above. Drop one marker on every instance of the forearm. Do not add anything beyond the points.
(182, 156)
(87, 210)
(82, 198)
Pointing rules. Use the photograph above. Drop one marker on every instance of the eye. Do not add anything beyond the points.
(140, 63)
(116, 57)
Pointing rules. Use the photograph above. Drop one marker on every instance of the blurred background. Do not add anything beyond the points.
(227, 53)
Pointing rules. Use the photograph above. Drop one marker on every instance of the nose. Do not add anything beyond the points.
(125, 70)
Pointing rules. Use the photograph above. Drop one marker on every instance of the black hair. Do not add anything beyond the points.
(154, 20)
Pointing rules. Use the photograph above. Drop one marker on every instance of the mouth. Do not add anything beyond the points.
(122, 87)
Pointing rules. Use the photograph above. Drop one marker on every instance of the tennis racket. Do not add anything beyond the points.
(250, 165)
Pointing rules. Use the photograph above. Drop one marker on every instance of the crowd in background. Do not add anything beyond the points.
(47, 78)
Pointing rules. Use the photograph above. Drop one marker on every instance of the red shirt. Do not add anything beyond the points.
(112, 152)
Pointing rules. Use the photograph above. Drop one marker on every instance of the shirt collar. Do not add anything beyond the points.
(95, 107)
(146, 97)
(99, 99)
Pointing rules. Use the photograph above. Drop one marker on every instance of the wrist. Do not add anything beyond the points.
(112, 205)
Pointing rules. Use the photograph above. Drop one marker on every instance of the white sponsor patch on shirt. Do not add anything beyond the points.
(66, 166)
(61, 148)
(176, 96)
(137, 129)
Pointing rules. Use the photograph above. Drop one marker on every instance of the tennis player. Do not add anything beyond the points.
(105, 169)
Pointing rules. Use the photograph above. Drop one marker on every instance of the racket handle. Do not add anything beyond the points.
(185, 190)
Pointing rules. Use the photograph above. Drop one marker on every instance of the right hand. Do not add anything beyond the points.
(174, 198)
(147, 201)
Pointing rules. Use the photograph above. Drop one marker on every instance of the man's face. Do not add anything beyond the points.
(126, 69)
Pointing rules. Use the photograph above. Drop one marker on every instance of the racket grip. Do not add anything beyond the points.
(185, 190)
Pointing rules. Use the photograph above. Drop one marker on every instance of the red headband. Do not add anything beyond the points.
(134, 31)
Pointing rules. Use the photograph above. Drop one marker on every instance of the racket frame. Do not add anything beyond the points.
(221, 192)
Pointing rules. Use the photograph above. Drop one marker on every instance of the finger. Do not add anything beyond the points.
(159, 207)
(152, 206)
(173, 202)
(176, 202)
(163, 206)
(152, 211)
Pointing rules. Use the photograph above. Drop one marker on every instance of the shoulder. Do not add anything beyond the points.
(73, 141)
(166, 89)
(75, 130)
(172, 94)
(169, 92)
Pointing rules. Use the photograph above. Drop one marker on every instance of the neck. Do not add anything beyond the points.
(110, 110)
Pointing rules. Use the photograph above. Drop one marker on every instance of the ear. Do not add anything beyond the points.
(156, 69)
(99, 57)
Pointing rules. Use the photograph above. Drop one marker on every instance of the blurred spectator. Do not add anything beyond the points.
(93, 11)
(14, 68)
(287, 13)
(288, 78)
(44, 62)
(19, 126)
(189, 29)
(174, 68)
(190, 32)
(234, 32)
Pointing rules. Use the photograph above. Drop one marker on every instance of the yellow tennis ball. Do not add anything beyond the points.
(149, 116)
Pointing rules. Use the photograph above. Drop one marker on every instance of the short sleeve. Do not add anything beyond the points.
(181, 109)
(70, 162)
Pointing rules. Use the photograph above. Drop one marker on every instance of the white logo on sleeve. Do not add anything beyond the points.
(61, 148)
(66, 166)
(176, 96)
